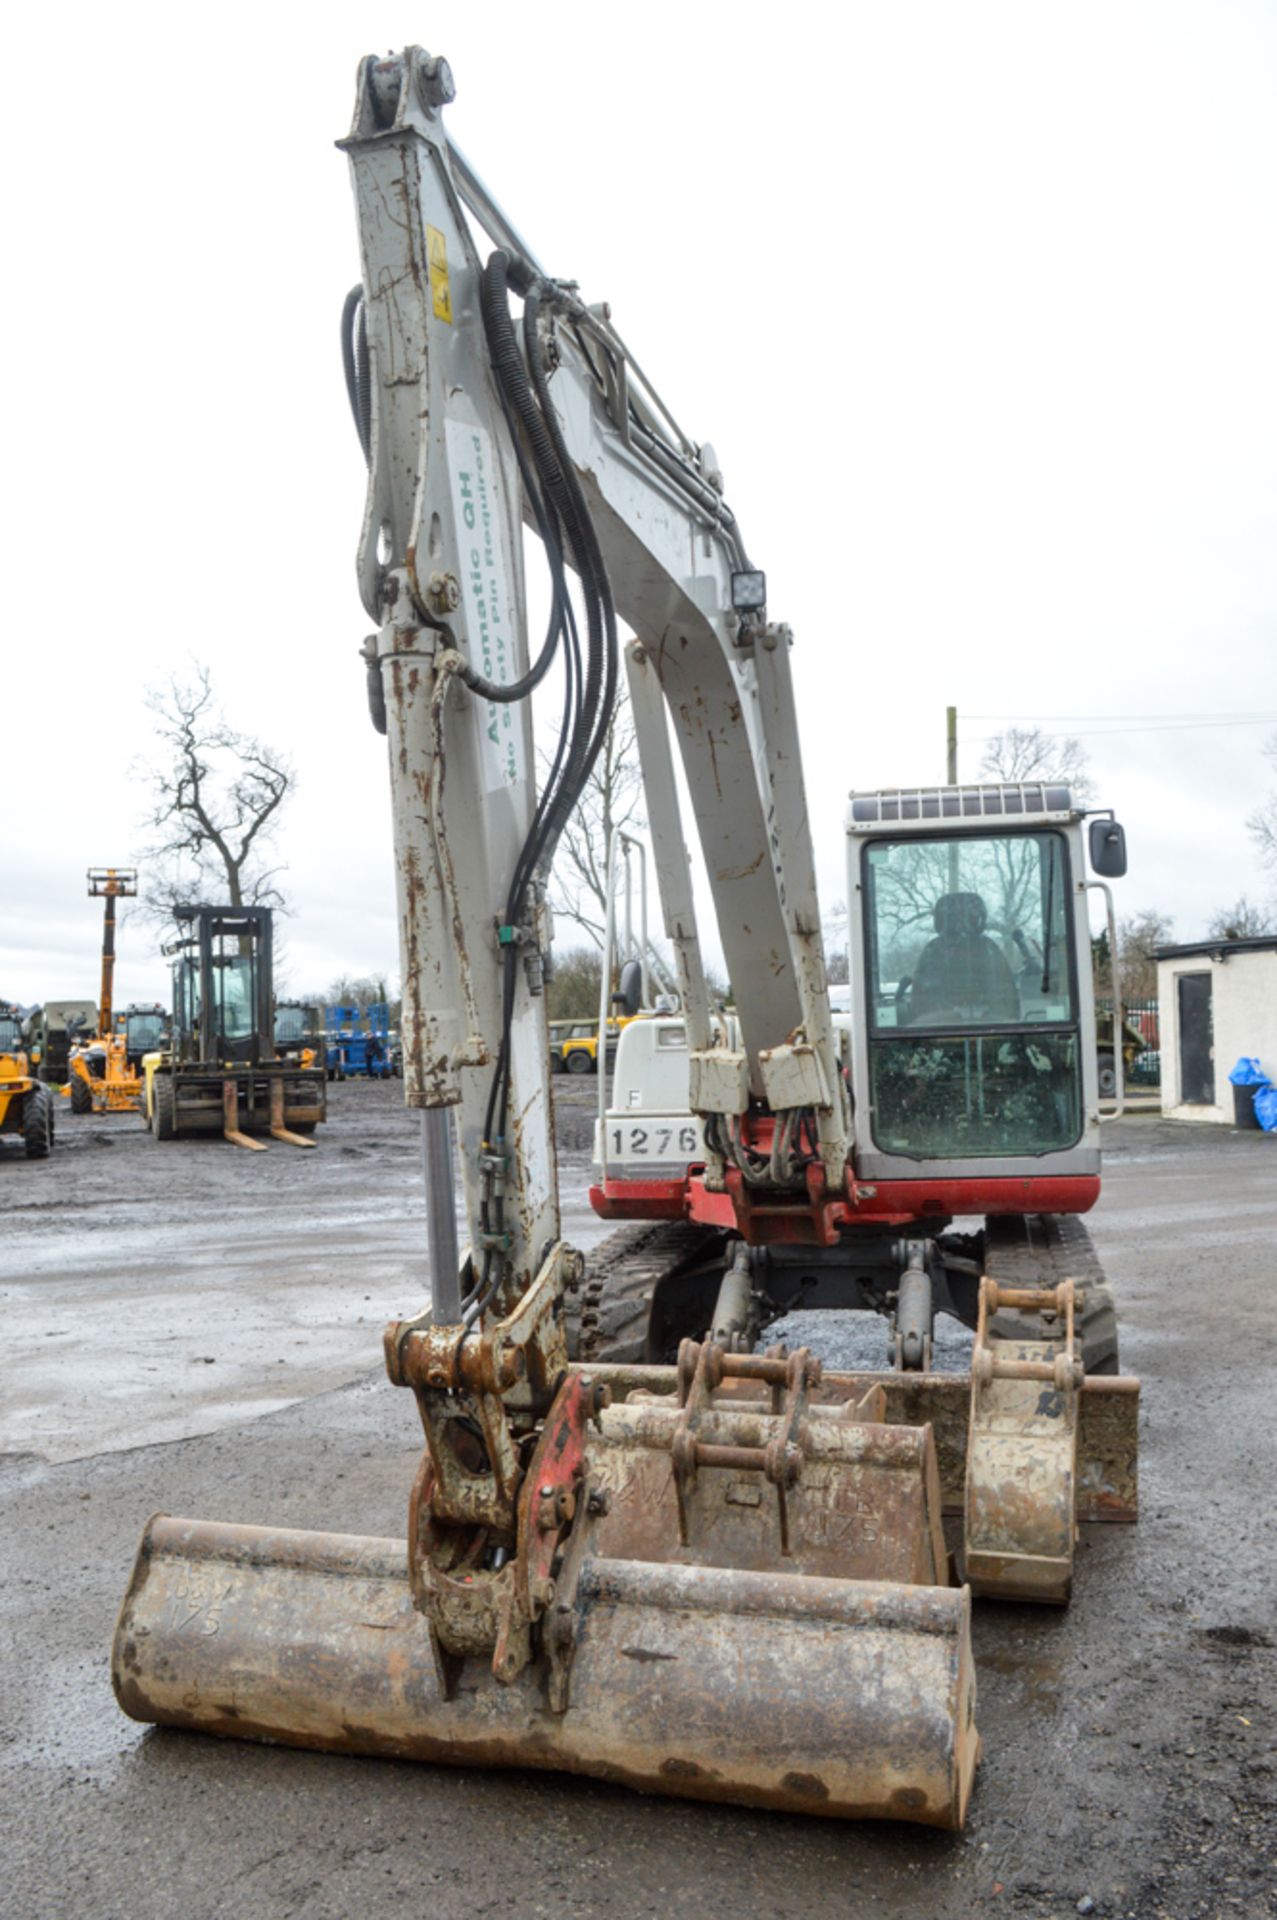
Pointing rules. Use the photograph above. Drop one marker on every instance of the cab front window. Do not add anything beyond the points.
(233, 982)
(144, 1032)
(973, 1047)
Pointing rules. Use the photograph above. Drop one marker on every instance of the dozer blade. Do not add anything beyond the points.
(774, 1689)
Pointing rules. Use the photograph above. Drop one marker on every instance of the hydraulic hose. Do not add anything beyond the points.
(557, 481)
(555, 508)
(564, 494)
(588, 552)
(354, 360)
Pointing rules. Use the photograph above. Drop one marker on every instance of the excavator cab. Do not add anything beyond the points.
(970, 959)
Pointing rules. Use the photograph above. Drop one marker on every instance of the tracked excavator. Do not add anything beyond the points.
(697, 1565)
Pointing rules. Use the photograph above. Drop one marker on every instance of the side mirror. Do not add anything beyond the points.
(1108, 849)
(629, 994)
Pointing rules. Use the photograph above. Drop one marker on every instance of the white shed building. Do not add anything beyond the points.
(1217, 1000)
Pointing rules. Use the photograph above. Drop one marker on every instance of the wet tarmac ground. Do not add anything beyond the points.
(198, 1330)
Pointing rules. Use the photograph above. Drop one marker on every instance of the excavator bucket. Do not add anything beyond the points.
(772, 1689)
(751, 1605)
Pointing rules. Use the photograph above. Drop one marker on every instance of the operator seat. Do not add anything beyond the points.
(962, 973)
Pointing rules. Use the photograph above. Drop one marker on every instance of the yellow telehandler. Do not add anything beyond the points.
(101, 1076)
(26, 1104)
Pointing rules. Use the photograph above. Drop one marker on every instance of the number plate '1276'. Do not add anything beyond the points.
(655, 1140)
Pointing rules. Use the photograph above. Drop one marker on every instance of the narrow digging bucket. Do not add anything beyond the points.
(851, 1699)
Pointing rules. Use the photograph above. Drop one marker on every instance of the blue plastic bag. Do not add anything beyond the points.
(1266, 1108)
(1248, 1073)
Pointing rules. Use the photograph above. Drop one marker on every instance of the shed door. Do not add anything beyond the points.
(1196, 1040)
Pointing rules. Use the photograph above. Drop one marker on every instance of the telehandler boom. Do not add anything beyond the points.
(102, 1078)
(719, 1572)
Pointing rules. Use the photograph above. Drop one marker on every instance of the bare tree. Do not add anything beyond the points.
(358, 990)
(217, 797)
(1242, 921)
(613, 797)
(574, 990)
(1138, 937)
(1026, 753)
(1262, 825)
(836, 937)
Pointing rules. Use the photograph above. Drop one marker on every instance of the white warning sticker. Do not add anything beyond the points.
(490, 631)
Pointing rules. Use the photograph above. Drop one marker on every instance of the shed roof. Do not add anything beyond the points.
(1219, 949)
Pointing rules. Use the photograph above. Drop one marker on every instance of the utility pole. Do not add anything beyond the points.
(951, 774)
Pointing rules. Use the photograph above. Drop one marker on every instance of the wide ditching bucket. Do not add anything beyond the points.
(748, 1602)
(777, 1690)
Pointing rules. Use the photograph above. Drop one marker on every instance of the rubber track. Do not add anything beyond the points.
(610, 1316)
(1040, 1250)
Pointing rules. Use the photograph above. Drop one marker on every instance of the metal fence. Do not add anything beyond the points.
(1140, 1020)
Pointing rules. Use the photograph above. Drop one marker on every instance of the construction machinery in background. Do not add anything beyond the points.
(101, 1077)
(1116, 1067)
(222, 1071)
(359, 1042)
(576, 1048)
(52, 1030)
(763, 1537)
(299, 1032)
(144, 1029)
(26, 1104)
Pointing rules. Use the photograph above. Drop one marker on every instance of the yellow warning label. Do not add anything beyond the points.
(437, 255)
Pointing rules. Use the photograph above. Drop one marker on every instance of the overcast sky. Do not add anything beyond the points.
(977, 305)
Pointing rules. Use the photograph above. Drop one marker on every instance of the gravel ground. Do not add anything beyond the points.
(198, 1330)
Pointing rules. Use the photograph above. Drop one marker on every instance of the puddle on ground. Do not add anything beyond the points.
(1038, 1675)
